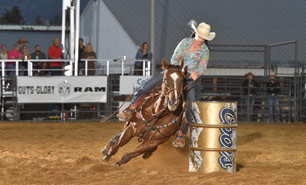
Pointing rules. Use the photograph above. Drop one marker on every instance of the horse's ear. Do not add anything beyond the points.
(181, 63)
(185, 69)
(164, 65)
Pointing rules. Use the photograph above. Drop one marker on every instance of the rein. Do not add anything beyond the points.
(157, 115)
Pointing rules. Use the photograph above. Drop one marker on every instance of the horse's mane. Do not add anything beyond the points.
(176, 67)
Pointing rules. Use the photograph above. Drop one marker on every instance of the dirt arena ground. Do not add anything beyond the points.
(69, 153)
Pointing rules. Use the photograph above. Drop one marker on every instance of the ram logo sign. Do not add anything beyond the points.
(62, 89)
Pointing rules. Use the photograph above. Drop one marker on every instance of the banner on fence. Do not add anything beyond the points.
(62, 89)
(128, 84)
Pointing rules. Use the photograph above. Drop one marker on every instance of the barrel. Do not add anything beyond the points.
(213, 137)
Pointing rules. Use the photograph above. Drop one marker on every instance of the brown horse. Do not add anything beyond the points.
(158, 117)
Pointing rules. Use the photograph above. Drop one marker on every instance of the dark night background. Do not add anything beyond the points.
(48, 10)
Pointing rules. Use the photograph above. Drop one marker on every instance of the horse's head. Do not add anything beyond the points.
(173, 82)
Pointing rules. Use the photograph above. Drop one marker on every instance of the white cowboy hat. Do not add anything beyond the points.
(203, 30)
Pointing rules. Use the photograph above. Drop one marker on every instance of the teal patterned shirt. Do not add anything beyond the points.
(196, 62)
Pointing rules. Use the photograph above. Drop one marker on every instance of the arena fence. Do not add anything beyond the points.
(14, 108)
(119, 74)
(230, 88)
(209, 88)
(301, 95)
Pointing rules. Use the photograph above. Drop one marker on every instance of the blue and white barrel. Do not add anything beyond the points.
(213, 137)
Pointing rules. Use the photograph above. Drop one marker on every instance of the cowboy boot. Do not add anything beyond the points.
(127, 113)
(179, 141)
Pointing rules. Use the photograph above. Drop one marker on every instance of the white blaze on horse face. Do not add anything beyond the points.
(174, 76)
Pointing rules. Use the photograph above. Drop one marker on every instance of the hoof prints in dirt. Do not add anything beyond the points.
(249, 138)
(84, 161)
(101, 167)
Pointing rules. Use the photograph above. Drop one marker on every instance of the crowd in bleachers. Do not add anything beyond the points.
(21, 51)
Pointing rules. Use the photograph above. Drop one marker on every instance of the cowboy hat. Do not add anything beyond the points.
(22, 40)
(203, 30)
(249, 73)
(272, 74)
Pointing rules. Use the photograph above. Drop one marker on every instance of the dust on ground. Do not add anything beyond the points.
(69, 153)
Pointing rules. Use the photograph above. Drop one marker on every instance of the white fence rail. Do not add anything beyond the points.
(102, 67)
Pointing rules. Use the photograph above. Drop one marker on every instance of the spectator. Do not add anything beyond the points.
(21, 42)
(81, 47)
(249, 91)
(39, 67)
(81, 50)
(88, 54)
(273, 90)
(142, 54)
(25, 53)
(55, 52)
(4, 53)
(24, 56)
(13, 54)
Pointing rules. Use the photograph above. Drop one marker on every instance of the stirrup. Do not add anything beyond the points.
(179, 141)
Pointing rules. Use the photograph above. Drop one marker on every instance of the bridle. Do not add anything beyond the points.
(167, 89)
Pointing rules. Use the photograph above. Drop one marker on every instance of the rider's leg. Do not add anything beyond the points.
(191, 97)
(147, 87)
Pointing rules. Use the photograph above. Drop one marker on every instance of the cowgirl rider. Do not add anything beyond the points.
(195, 52)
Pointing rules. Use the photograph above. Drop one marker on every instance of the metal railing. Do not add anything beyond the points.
(230, 88)
(113, 68)
(102, 67)
(119, 66)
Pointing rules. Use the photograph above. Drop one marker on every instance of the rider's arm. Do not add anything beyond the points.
(178, 53)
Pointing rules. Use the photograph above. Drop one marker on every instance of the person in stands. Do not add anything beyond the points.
(88, 53)
(142, 54)
(4, 53)
(273, 90)
(11, 66)
(55, 52)
(39, 68)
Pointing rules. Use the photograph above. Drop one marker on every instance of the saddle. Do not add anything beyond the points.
(127, 114)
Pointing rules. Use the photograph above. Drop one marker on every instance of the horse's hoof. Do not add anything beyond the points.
(118, 164)
(104, 151)
(146, 155)
(106, 158)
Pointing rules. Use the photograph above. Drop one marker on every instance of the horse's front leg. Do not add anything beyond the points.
(144, 147)
(125, 136)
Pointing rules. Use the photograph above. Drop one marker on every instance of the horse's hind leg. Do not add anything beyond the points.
(124, 138)
(148, 154)
(144, 147)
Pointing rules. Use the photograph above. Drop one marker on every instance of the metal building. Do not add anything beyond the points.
(116, 27)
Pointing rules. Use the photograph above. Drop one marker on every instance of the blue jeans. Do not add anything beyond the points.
(153, 82)
(250, 100)
(274, 113)
(158, 79)
(191, 97)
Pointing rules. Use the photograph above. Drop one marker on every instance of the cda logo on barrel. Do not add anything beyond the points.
(213, 137)
(227, 116)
